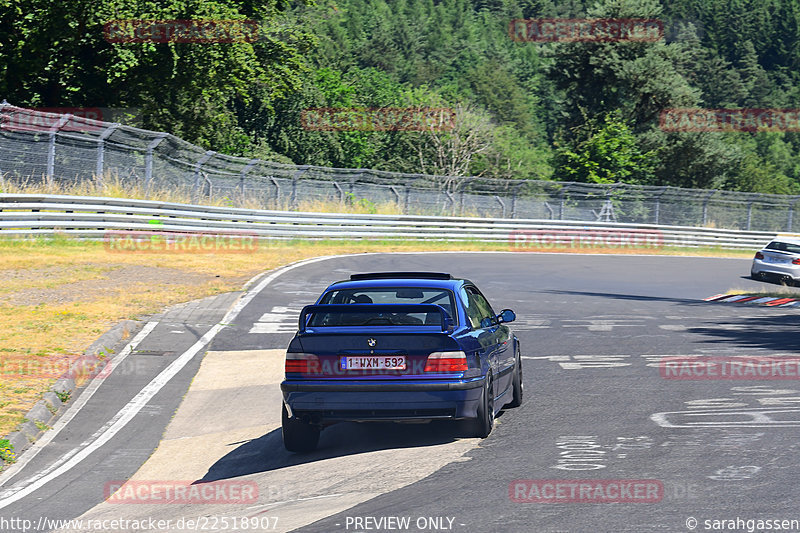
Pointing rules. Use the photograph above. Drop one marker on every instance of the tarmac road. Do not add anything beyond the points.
(593, 330)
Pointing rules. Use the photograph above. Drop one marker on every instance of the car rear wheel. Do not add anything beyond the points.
(516, 384)
(485, 422)
(298, 436)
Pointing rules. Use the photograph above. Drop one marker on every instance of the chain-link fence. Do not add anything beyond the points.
(65, 148)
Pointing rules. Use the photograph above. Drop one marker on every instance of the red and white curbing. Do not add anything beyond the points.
(769, 301)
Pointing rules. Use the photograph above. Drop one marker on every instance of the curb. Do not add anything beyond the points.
(754, 299)
(46, 411)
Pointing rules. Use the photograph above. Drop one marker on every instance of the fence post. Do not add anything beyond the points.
(295, 177)
(791, 212)
(250, 164)
(3, 105)
(340, 191)
(705, 205)
(502, 205)
(101, 150)
(51, 147)
(564, 191)
(514, 199)
(658, 204)
(750, 211)
(148, 161)
(197, 174)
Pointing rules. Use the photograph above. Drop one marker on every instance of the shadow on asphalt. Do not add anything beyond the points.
(618, 296)
(267, 453)
(778, 332)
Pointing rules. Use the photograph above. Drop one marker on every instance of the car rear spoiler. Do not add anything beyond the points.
(446, 323)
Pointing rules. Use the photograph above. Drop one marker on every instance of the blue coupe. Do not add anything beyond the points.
(399, 346)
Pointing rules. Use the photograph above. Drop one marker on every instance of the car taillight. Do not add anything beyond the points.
(796, 261)
(446, 362)
(305, 363)
(759, 255)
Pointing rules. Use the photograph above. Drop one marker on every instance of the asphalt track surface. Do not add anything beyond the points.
(593, 330)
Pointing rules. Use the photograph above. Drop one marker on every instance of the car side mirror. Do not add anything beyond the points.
(506, 315)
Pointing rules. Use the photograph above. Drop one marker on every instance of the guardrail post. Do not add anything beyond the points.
(791, 212)
(51, 148)
(705, 206)
(148, 161)
(101, 150)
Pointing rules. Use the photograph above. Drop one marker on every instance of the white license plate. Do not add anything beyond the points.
(380, 362)
(777, 260)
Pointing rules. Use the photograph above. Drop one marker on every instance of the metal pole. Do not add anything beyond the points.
(791, 212)
(197, 174)
(564, 191)
(502, 205)
(295, 177)
(750, 212)
(148, 161)
(243, 173)
(101, 144)
(705, 206)
(51, 149)
(658, 204)
(514, 200)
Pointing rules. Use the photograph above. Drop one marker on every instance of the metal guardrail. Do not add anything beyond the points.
(63, 149)
(25, 215)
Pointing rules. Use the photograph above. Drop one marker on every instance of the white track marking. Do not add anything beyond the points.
(126, 414)
(73, 409)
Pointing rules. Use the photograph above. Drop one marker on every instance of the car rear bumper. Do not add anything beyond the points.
(335, 401)
(775, 269)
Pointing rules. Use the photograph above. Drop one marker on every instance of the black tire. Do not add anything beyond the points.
(298, 436)
(516, 384)
(484, 423)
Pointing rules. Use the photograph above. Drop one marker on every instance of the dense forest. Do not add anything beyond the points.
(572, 111)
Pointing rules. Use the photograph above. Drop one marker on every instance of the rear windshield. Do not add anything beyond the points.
(385, 295)
(784, 247)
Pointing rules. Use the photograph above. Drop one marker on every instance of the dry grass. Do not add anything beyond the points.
(115, 187)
